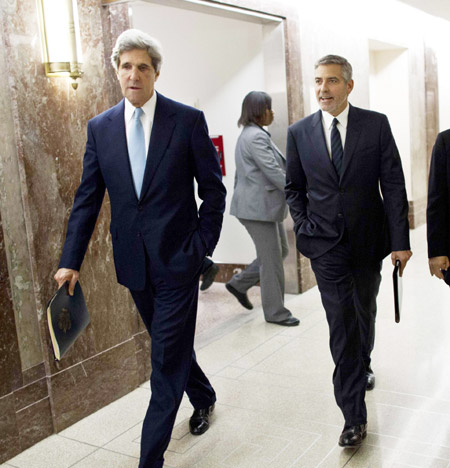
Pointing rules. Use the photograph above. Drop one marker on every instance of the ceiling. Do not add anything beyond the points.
(440, 8)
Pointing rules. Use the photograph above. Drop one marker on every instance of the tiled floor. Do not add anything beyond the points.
(275, 399)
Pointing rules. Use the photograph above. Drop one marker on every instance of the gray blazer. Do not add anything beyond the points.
(260, 177)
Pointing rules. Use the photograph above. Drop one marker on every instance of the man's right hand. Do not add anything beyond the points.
(437, 264)
(66, 274)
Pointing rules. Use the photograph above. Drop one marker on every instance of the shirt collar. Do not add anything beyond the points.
(148, 108)
(342, 118)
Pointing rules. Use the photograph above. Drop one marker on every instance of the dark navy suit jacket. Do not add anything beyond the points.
(438, 209)
(165, 221)
(324, 207)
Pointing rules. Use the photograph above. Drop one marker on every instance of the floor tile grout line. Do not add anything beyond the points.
(280, 333)
(318, 437)
(305, 389)
(246, 354)
(310, 421)
(416, 410)
(269, 355)
(353, 454)
(223, 462)
(106, 443)
(433, 457)
(408, 439)
(416, 396)
(84, 458)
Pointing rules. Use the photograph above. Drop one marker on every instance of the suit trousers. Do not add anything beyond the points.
(169, 313)
(348, 291)
(271, 249)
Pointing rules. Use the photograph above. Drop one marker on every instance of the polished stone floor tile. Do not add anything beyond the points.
(104, 458)
(376, 457)
(111, 421)
(53, 452)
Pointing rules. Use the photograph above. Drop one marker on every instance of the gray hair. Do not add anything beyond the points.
(135, 39)
(347, 71)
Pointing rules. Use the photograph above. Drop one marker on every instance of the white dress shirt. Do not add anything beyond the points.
(147, 117)
(327, 123)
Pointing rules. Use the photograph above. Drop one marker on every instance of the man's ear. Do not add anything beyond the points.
(350, 84)
(157, 75)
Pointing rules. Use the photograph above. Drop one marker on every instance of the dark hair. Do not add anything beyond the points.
(254, 107)
(347, 71)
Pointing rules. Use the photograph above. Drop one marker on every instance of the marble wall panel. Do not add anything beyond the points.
(10, 374)
(308, 280)
(12, 195)
(115, 20)
(142, 345)
(417, 214)
(431, 99)
(34, 423)
(418, 124)
(9, 433)
(94, 383)
(33, 373)
(30, 394)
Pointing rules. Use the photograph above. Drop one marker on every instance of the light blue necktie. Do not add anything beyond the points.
(136, 150)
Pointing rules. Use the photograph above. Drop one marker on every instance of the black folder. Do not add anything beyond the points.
(398, 290)
(67, 317)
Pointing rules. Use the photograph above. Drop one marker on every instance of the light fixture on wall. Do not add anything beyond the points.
(60, 35)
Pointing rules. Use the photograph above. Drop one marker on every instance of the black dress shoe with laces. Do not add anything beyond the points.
(370, 379)
(353, 436)
(199, 422)
(209, 276)
(241, 297)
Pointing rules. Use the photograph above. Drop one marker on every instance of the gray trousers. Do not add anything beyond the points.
(271, 249)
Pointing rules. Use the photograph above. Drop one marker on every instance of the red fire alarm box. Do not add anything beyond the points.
(218, 143)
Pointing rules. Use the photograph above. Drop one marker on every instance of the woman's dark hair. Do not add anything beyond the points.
(254, 107)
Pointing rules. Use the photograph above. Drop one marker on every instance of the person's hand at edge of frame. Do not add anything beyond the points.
(437, 265)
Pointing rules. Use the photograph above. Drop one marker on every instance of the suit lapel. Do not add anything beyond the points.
(317, 138)
(162, 129)
(118, 142)
(351, 138)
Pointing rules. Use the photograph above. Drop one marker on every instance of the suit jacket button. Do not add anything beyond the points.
(139, 234)
(140, 208)
(340, 215)
(342, 190)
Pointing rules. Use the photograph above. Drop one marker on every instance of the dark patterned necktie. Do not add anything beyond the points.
(337, 153)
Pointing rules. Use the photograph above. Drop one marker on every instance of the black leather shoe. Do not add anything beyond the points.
(370, 379)
(353, 436)
(241, 297)
(209, 276)
(199, 422)
(289, 322)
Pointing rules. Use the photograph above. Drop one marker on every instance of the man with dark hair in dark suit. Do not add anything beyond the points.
(146, 151)
(338, 159)
(438, 209)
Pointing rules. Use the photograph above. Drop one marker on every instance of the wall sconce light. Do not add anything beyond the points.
(60, 35)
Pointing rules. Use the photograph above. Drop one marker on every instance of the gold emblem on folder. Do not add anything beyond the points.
(64, 322)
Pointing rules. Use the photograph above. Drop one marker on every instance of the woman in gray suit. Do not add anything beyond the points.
(259, 204)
